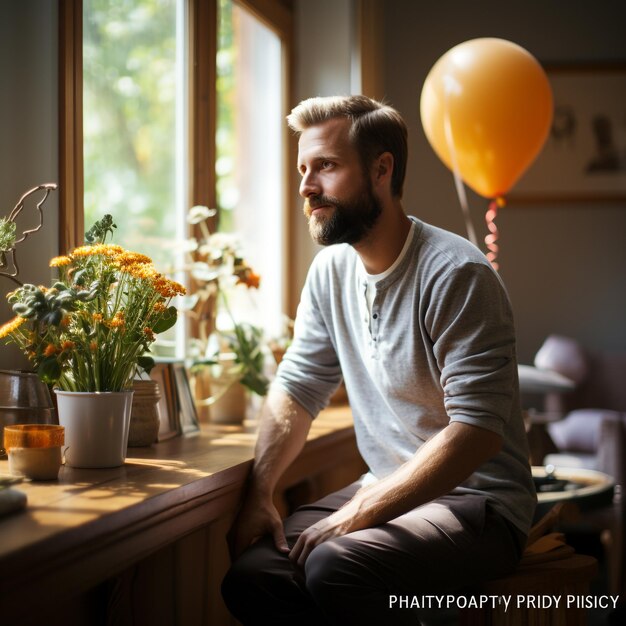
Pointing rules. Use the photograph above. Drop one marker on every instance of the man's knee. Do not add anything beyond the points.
(328, 568)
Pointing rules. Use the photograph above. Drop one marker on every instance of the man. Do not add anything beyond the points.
(420, 327)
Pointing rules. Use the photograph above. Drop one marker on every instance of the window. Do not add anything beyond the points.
(170, 103)
(134, 128)
(134, 122)
(249, 143)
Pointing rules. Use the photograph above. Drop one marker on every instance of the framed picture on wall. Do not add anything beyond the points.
(584, 157)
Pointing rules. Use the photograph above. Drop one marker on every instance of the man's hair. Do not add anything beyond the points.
(375, 128)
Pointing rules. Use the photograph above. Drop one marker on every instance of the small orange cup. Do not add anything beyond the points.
(33, 436)
(34, 450)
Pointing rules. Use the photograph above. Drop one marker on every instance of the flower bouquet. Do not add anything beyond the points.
(225, 351)
(91, 330)
(88, 334)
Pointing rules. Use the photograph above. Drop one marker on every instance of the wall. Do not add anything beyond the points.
(563, 264)
(28, 134)
(324, 66)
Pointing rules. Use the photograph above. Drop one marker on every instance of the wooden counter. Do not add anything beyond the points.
(145, 543)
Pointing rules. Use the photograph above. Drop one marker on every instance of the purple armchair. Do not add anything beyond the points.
(594, 412)
(592, 431)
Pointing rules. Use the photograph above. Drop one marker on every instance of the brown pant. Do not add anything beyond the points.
(438, 548)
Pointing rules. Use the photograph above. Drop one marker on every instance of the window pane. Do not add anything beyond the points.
(133, 86)
(249, 151)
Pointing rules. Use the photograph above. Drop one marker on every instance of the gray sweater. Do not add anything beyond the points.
(440, 347)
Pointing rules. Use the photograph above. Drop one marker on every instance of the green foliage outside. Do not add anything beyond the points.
(226, 109)
(130, 95)
(129, 103)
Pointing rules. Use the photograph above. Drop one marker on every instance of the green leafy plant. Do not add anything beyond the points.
(93, 328)
(7, 234)
(246, 344)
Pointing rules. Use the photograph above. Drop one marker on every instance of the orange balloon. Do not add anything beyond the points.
(486, 108)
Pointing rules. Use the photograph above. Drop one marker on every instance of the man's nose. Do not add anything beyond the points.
(309, 185)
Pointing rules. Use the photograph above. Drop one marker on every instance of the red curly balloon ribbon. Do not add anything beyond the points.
(492, 237)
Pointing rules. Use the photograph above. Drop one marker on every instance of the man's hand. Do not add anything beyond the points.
(339, 523)
(282, 433)
(440, 465)
(257, 518)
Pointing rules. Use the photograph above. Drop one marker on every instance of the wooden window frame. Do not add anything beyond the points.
(71, 188)
(202, 48)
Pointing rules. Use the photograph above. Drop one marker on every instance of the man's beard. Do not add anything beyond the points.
(350, 221)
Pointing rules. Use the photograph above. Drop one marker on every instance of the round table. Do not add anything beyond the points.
(535, 380)
(588, 489)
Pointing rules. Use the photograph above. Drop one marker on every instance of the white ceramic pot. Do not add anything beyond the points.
(96, 426)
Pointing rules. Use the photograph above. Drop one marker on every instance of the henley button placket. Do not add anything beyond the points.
(375, 327)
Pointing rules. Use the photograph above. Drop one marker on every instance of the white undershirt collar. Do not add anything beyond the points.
(370, 280)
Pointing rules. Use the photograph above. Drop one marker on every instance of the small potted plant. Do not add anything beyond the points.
(227, 355)
(88, 334)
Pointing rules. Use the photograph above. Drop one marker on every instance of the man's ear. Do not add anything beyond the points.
(383, 168)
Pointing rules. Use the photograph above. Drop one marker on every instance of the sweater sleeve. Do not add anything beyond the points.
(471, 325)
(310, 371)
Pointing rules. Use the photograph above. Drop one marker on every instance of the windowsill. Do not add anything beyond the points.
(112, 518)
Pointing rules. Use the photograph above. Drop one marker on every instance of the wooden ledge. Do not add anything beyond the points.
(93, 524)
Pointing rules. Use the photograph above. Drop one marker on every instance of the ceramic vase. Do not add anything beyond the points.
(231, 406)
(96, 427)
(218, 394)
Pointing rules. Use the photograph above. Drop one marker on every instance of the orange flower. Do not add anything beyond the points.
(168, 288)
(117, 321)
(148, 332)
(93, 346)
(143, 271)
(60, 261)
(126, 259)
(251, 279)
(50, 350)
(107, 249)
(68, 345)
(11, 326)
